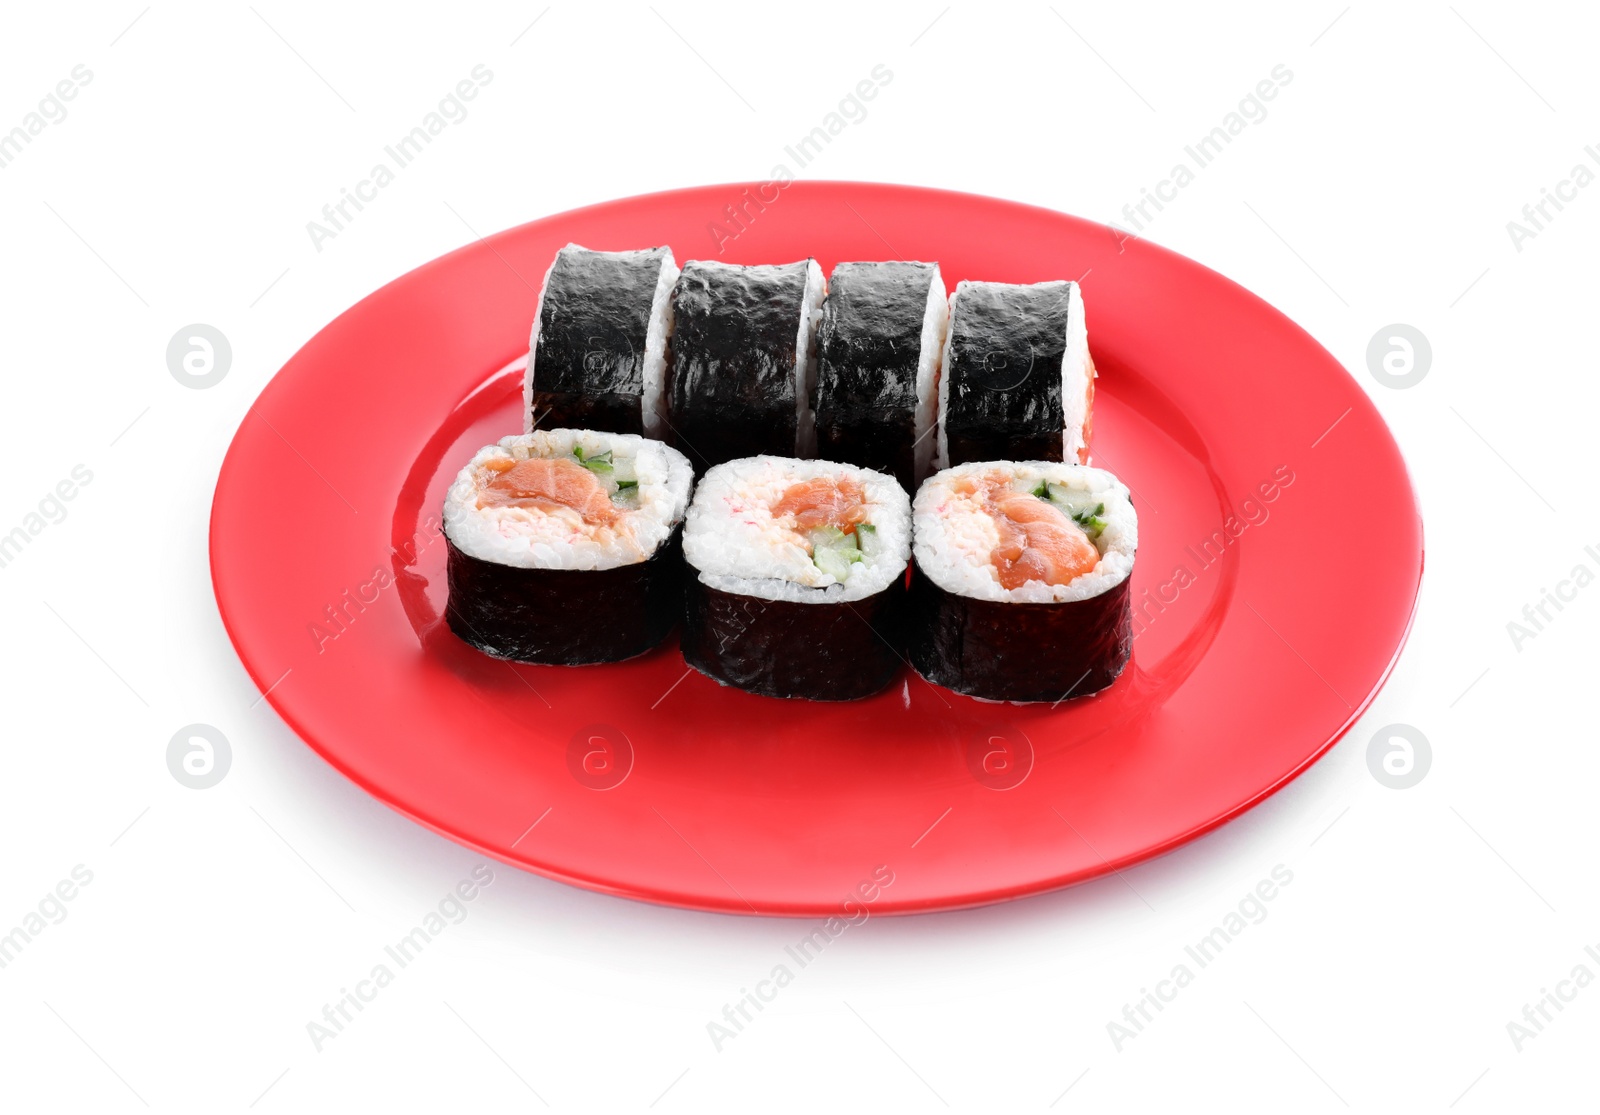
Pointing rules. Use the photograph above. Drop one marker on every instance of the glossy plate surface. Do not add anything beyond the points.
(1259, 639)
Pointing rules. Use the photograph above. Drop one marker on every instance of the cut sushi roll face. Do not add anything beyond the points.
(564, 546)
(598, 354)
(1017, 380)
(796, 577)
(1021, 585)
(878, 351)
(743, 360)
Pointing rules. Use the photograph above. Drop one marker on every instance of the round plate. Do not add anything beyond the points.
(1258, 640)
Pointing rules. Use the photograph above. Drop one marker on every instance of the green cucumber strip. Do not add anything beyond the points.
(832, 562)
(599, 464)
(867, 538)
(1075, 505)
(833, 551)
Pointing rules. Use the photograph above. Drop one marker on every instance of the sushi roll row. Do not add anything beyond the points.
(873, 366)
(790, 576)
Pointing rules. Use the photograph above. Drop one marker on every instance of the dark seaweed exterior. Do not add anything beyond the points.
(588, 361)
(1004, 372)
(1019, 652)
(867, 353)
(731, 377)
(565, 617)
(821, 652)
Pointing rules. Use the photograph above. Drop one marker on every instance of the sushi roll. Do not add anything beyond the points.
(1017, 379)
(878, 351)
(1020, 590)
(564, 546)
(597, 358)
(743, 360)
(796, 577)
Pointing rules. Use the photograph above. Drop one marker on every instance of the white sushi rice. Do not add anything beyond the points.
(534, 538)
(653, 403)
(737, 545)
(1076, 371)
(956, 535)
(805, 359)
(655, 350)
(935, 322)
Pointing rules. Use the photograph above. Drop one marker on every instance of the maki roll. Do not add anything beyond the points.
(796, 578)
(563, 546)
(743, 360)
(878, 351)
(1018, 382)
(1020, 590)
(598, 355)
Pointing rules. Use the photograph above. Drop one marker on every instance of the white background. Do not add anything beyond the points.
(1377, 190)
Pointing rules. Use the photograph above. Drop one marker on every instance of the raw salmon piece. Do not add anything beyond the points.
(1088, 415)
(1037, 541)
(824, 501)
(548, 484)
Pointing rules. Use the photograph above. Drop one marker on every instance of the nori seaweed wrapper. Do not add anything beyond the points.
(868, 348)
(588, 360)
(565, 617)
(731, 375)
(820, 652)
(1004, 370)
(1019, 652)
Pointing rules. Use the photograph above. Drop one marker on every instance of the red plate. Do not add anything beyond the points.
(1260, 640)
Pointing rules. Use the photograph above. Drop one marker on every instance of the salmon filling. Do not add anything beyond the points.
(1088, 415)
(830, 515)
(825, 501)
(1037, 541)
(549, 484)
